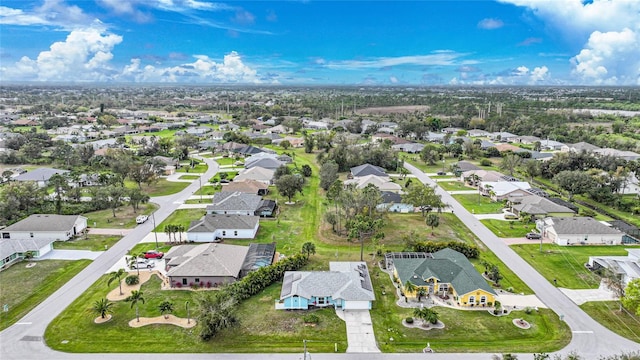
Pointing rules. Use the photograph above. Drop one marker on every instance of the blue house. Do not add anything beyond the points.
(346, 285)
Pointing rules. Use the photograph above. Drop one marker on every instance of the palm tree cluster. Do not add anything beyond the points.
(427, 315)
(172, 230)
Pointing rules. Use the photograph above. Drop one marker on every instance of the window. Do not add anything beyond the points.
(321, 301)
(224, 233)
(235, 232)
(197, 280)
(483, 299)
(472, 300)
(31, 234)
(6, 236)
(184, 281)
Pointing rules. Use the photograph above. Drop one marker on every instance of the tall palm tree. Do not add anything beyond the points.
(102, 307)
(308, 249)
(409, 288)
(180, 229)
(116, 275)
(168, 230)
(134, 298)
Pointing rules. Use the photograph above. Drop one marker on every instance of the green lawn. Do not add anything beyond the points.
(125, 217)
(163, 187)
(225, 161)
(181, 217)
(465, 331)
(566, 263)
(607, 313)
(508, 229)
(208, 190)
(91, 242)
(24, 288)
(261, 328)
(198, 201)
(454, 185)
(189, 177)
(198, 169)
(479, 204)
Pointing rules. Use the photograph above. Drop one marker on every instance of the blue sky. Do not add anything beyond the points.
(505, 42)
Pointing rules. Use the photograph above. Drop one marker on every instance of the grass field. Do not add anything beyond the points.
(197, 201)
(465, 331)
(454, 185)
(479, 204)
(125, 217)
(607, 313)
(24, 288)
(180, 217)
(566, 263)
(198, 169)
(207, 190)
(163, 187)
(508, 229)
(92, 243)
(225, 161)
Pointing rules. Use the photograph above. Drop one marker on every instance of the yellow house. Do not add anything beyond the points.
(446, 272)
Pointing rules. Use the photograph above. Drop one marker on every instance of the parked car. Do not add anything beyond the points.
(440, 173)
(153, 254)
(141, 219)
(142, 264)
(510, 216)
(533, 235)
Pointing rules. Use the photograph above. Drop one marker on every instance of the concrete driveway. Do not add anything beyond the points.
(360, 335)
(71, 255)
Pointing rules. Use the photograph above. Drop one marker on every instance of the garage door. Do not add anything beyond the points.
(356, 305)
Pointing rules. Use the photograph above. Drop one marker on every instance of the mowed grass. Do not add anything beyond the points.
(207, 190)
(125, 217)
(566, 263)
(198, 201)
(200, 168)
(24, 288)
(261, 327)
(607, 313)
(508, 229)
(180, 217)
(454, 185)
(92, 243)
(479, 204)
(163, 187)
(465, 331)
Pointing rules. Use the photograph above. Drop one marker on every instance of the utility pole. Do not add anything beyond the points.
(153, 217)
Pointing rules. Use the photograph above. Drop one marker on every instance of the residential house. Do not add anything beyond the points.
(551, 145)
(626, 268)
(211, 265)
(266, 162)
(411, 148)
(247, 150)
(41, 175)
(12, 251)
(388, 124)
(367, 169)
(246, 186)
(538, 207)
(485, 144)
(481, 175)
(237, 202)
(294, 141)
(477, 133)
(346, 286)
(434, 137)
(25, 122)
(170, 164)
(507, 147)
(278, 129)
(46, 226)
(631, 232)
(451, 130)
(381, 137)
(445, 272)
(579, 147)
(503, 190)
(213, 227)
(392, 202)
(527, 139)
(257, 173)
(266, 208)
(579, 231)
(626, 155)
(382, 183)
(503, 136)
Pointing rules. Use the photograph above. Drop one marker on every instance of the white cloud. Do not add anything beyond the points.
(607, 30)
(83, 56)
(521, 75)
(130, 6)
(490, 24)
(438, 58)
(393, 80)
(51, 13)
(610, 58)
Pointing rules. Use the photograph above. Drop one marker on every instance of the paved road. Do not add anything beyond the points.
(590, 339)
(24, 340)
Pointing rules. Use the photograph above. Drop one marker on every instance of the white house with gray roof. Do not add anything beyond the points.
(41, 175)
(12, 251)
(627, 268)
(240, 203)
(47, 227)
(214, 227)
(345, 286)
(579, 231)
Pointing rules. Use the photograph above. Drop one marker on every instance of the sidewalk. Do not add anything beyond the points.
(106, 231)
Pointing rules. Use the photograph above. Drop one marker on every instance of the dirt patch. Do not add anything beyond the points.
(145, 275)
(383, 110)
(169, 320)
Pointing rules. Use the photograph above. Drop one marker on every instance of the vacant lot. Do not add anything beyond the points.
(508, 229)
(566, 263)
(454, 185)
(479, 204)
(24, 288)
(91, 242)
(125, 217)
(607, 313)
(181, 217)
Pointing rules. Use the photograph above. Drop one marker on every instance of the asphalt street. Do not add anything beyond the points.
(24, 340)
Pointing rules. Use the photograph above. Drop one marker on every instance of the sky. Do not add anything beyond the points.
(429, 42)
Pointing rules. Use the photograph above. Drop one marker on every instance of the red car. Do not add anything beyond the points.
(153, 254)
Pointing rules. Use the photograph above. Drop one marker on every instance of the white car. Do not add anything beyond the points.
(142, 264)
(141, 218)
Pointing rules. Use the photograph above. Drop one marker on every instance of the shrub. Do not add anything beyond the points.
(485, 162)
(588, 213)
(311, 319)
(409, 320)
(132, 280)
(178, 285)
(528, 310)
(510, 289)
(208, 284)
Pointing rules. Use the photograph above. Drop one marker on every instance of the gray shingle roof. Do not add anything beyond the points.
(368, 169)
(230, 201)
(9, 247)
(211, 223)
(448, 266)
(210, 260)
(536, 205)
(581, 225)
(44, 222)
(41, 174)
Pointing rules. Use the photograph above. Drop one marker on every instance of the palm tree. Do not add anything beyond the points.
(116, 275)
(433, 220)
(308, 249)
(426, 315)
(409, 288)
(166, 307)
(421, 293)
(102, 307)
(179, 229)
(134, 298)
